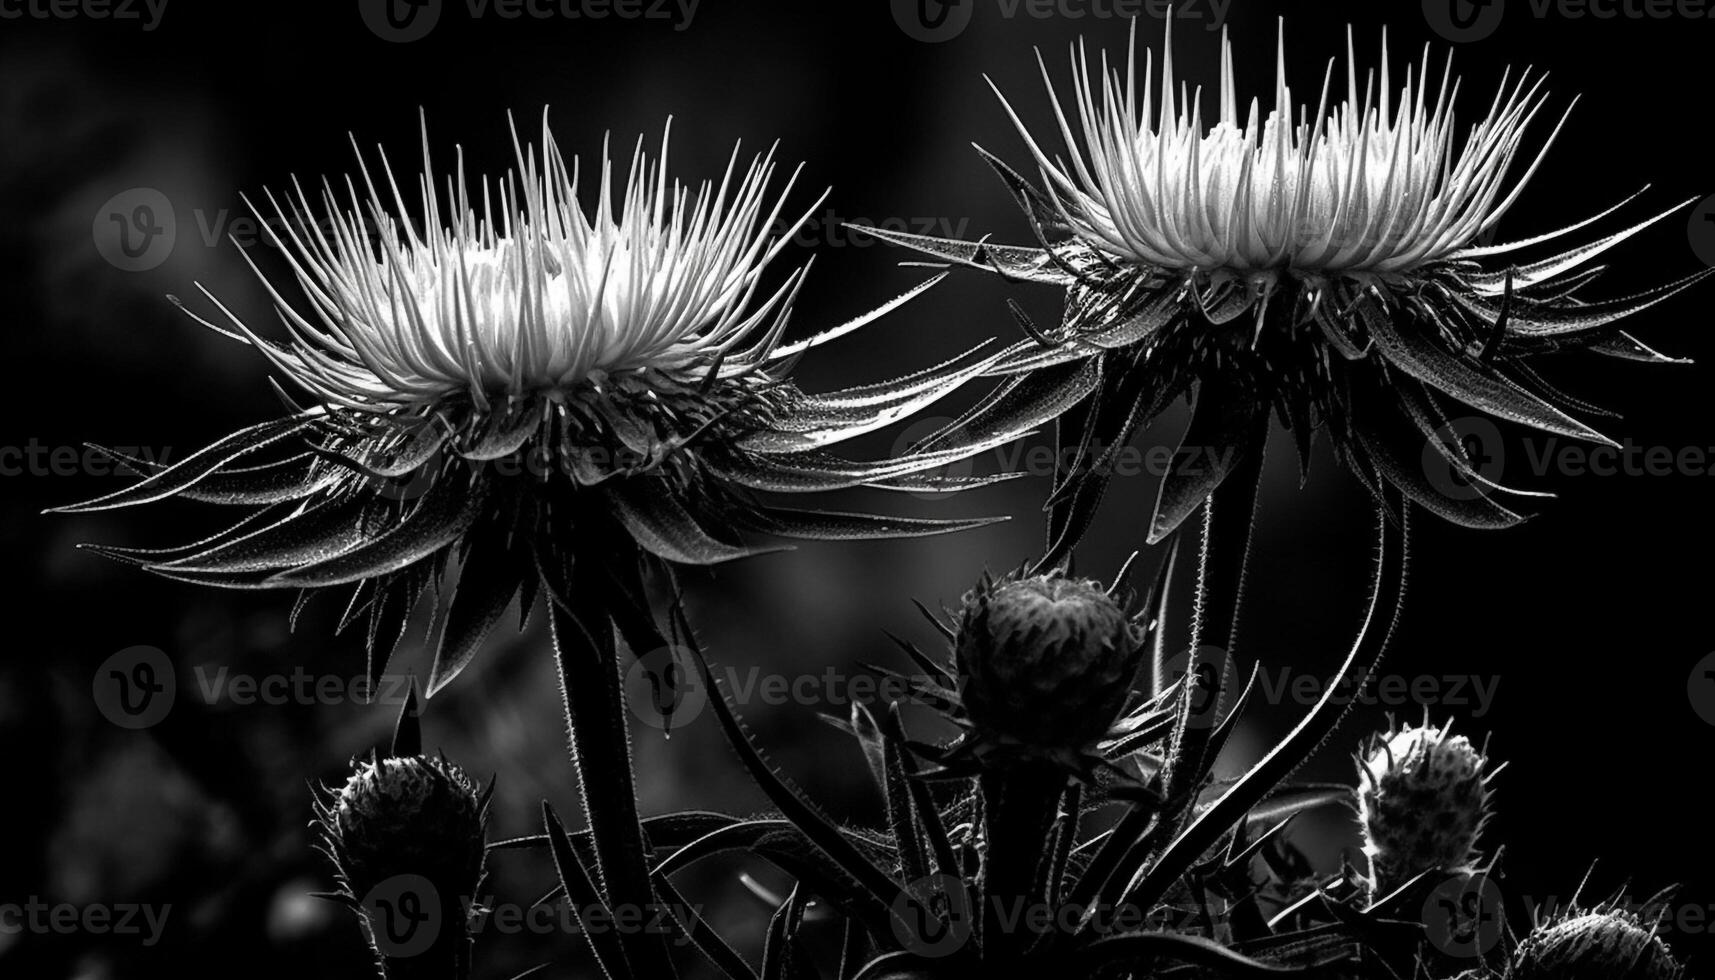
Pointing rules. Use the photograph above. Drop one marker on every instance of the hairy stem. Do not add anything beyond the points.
(586, 653)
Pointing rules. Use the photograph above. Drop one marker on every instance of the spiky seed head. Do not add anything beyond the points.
(1608, 944)
(406, 816)
(1045, 661)
(1423, 802)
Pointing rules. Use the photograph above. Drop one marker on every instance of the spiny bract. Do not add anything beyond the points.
(1045, 662)
(512, 383)
(1327, 263)
(414, 815)
(1597, 945)
(1423, 802)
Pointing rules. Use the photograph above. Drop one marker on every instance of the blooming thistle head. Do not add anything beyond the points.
(1325, 262)
(1423, 803)
(514, 381)
(1608, 943)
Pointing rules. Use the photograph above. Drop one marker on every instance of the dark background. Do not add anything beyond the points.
(1592, 617)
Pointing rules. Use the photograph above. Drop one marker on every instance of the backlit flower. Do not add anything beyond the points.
(522, 385)
(1327, 262)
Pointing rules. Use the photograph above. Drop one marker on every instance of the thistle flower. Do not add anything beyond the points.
(1608, 943)
(1327, 263)
(1423, 803)
(1046, 662)
(1040, 669)
(407, 839)
(529, 388)
(415, 815)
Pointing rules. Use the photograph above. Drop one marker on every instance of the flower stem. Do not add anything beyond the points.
(1229, 517)
(1020, 804)
(585, 650)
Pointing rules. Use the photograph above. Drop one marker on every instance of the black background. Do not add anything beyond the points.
(1592, 616)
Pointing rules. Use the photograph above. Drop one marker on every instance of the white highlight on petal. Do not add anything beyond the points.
(523, 292)
(1377, 183)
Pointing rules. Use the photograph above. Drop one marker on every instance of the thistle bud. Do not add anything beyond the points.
(1046, 662)
(407, 838)
(1612, 945)
(1423, 803)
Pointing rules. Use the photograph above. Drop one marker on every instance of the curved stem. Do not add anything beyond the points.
(1387, 596)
